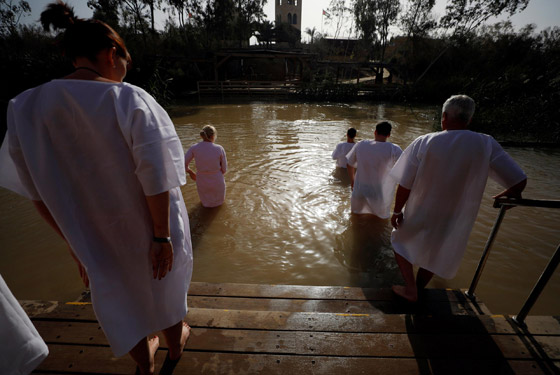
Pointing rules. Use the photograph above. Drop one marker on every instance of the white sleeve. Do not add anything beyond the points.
(14, 174)
(351, 157)
(155, 146)
(503, 169)
(404, 171)
(336, 152)
(223, 160)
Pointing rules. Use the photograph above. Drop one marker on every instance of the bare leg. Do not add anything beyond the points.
(409, 291)
(143, 354)
(176, 337)
(423, 277)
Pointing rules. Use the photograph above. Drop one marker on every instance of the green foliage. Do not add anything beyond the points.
(514, 78)
(464, 16)
(10, 15)
(373, 18)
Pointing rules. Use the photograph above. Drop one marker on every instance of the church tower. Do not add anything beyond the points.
(289, 11)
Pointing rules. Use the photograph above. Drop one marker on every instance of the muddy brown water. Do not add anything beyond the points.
(287, 218)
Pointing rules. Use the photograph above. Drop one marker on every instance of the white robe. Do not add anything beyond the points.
(21, 349)
(446, 173)
(374, 189)
(211, 165)
(340, 152)
(92, 151)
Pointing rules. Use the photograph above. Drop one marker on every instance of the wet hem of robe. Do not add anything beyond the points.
(405, 254)
(118, 352)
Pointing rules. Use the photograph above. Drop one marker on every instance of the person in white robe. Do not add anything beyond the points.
(22, 349)
(102, 163)
(211, 165)
(373, 189)
(343, 148)
(441, 179)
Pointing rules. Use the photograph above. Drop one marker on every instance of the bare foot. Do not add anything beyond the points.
(153, 345)
(409, 295)
(184, 337)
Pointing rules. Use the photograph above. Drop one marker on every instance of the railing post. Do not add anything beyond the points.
(486, 252)
(539, 286)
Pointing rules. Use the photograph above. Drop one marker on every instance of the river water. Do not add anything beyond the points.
(287, 218)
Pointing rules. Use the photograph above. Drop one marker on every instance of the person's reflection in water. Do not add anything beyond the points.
(341, 176)
(200, 219)
(364, 248)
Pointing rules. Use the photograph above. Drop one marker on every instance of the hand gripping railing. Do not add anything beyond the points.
(503, 204)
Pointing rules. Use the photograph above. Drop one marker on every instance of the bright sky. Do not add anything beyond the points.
(543, 13)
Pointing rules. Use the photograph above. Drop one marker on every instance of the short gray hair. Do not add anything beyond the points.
(459, 107)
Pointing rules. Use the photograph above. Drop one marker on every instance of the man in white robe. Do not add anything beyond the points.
(441, 180)
(343, 148)
(93, 156)
(372, 187)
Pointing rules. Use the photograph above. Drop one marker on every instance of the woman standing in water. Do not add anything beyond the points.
(211, 165)
(103, 165)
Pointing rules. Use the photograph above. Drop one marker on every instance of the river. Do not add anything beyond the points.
(287, 218)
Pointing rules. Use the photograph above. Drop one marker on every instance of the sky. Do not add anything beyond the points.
(543, 13)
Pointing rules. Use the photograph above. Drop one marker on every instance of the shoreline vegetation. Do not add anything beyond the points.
(513, 75)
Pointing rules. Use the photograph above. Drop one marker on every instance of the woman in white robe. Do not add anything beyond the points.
(103, 165)
(211, 165)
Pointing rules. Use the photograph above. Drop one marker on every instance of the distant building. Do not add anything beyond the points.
(288, 11)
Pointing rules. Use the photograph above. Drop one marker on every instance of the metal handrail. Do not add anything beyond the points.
(504, 204)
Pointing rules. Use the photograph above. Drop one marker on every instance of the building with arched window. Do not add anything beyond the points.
(289, 11)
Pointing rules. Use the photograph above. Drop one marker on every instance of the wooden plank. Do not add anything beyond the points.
(333, 306)
(82, 311)
(477, 346)
(315, 292)
(99, 360)
(229, 363)
(314, 321)
(88, 359)
(331, 322)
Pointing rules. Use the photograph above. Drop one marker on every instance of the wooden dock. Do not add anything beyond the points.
(280, 329)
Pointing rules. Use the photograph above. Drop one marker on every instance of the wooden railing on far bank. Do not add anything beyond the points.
(227, 88)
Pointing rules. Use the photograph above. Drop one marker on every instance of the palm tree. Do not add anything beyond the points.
(311, 33)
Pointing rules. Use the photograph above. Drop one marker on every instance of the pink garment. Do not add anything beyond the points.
(211, 165)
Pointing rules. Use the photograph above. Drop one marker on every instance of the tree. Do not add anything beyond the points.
(134, 16)
(373, 18)
(463, 16)
(340, 14)
(10, 15)
(106, 11)
(246, 16)
(417, 19)
(184, 9)
(311, 33)
(265, 32)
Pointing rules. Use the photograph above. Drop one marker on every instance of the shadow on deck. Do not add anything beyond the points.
(280, 329)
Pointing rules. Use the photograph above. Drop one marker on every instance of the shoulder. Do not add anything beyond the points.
(395, 147)
(29, 94)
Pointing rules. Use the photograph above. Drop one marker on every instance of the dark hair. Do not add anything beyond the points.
(81, 38)
(383, 128)
(351, 132)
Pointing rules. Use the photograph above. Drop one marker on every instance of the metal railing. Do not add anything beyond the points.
(504, 204)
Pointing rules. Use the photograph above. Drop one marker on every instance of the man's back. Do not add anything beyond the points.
(373, 189)
(446, 173)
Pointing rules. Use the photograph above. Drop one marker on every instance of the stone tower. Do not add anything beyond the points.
(288, 11)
